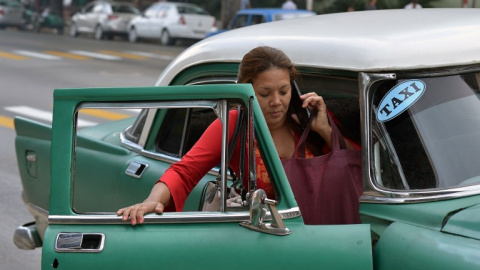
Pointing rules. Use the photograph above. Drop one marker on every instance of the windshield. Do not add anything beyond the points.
(426, 132)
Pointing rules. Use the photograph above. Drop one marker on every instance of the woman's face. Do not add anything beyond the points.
(273, 90)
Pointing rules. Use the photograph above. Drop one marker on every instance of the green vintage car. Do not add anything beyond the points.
(405, 84)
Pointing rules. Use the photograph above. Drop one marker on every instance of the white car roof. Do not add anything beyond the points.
(380, 40)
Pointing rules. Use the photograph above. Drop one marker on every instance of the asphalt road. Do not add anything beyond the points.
(31, 67)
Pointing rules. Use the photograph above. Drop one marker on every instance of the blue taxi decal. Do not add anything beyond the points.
(399, 99)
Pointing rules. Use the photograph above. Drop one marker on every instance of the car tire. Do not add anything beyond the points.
(166, 39)
(132, 35)
(98, 33)
(73, 30)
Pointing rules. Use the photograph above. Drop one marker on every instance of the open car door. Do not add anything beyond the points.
(272, 235)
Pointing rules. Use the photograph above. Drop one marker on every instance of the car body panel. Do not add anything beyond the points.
(193, 246)
(464, 222)
(399, 248)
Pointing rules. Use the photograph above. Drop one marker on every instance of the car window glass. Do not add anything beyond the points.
(98, 156)
(162, 12)
(13, 4)
(134, 132)
(182, 125)
(89, 8)
(125, 9)
(240, 21)
(98, 8)
(151, 11)
(256, 19)
(191, 10)
(426, 132)
(106, 174)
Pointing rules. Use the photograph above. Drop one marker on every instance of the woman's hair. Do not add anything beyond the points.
(264, 58)
(261, 59)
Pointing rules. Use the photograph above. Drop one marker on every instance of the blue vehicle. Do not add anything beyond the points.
(247, 17)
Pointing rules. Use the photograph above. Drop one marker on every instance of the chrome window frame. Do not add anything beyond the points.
(374, 193)
(221, 109)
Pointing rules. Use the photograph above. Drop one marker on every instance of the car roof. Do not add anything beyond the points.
(370, 41)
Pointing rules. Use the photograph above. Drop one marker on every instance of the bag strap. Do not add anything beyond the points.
(338, 141)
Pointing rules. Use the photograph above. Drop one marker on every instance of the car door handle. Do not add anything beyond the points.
(80, 242)
(136, 169)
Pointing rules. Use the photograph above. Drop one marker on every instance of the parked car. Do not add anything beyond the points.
(398, 82)
(11, 14)
(246, 17)
(170, 21)
(103, 19)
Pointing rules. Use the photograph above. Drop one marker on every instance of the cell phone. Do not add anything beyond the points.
(303, 114)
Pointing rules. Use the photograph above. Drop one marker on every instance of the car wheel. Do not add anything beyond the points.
(98, 32)
(73, 30)
(166, 39)
(132, 35)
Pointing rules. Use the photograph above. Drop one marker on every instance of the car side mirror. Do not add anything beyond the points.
(258, 212)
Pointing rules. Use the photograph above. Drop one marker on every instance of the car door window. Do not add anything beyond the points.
(98, 8)
(257, 19)
(181, 128)
(89, 8)
(240, 21)
(151, 11)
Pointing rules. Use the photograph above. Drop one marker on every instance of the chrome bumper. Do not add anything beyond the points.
(27, 237)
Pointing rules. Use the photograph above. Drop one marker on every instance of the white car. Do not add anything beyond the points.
(103, 19)
(11, 14)
(169, 21)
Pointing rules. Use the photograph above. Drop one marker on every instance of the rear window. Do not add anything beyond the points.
(10, 4)
(192, 10)
(125, 9)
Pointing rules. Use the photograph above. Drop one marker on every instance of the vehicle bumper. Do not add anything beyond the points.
(30, 235)
(27, 237)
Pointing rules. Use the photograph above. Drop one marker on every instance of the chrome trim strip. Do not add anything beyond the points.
(168, 218)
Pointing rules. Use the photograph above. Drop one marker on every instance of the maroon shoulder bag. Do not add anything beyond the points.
(327, 188)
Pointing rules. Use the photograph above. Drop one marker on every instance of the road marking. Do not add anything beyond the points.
(104, 114)
(37, 55)
(42, 115)
(96, 55)
(125, 55)
(67, 55)
(152, 55)
(12, 56)
(6, 122)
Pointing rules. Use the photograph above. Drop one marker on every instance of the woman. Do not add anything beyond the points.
(271, 74)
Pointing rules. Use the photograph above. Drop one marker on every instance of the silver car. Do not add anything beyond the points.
(171, 21)
(103, 19)
(11, 14)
